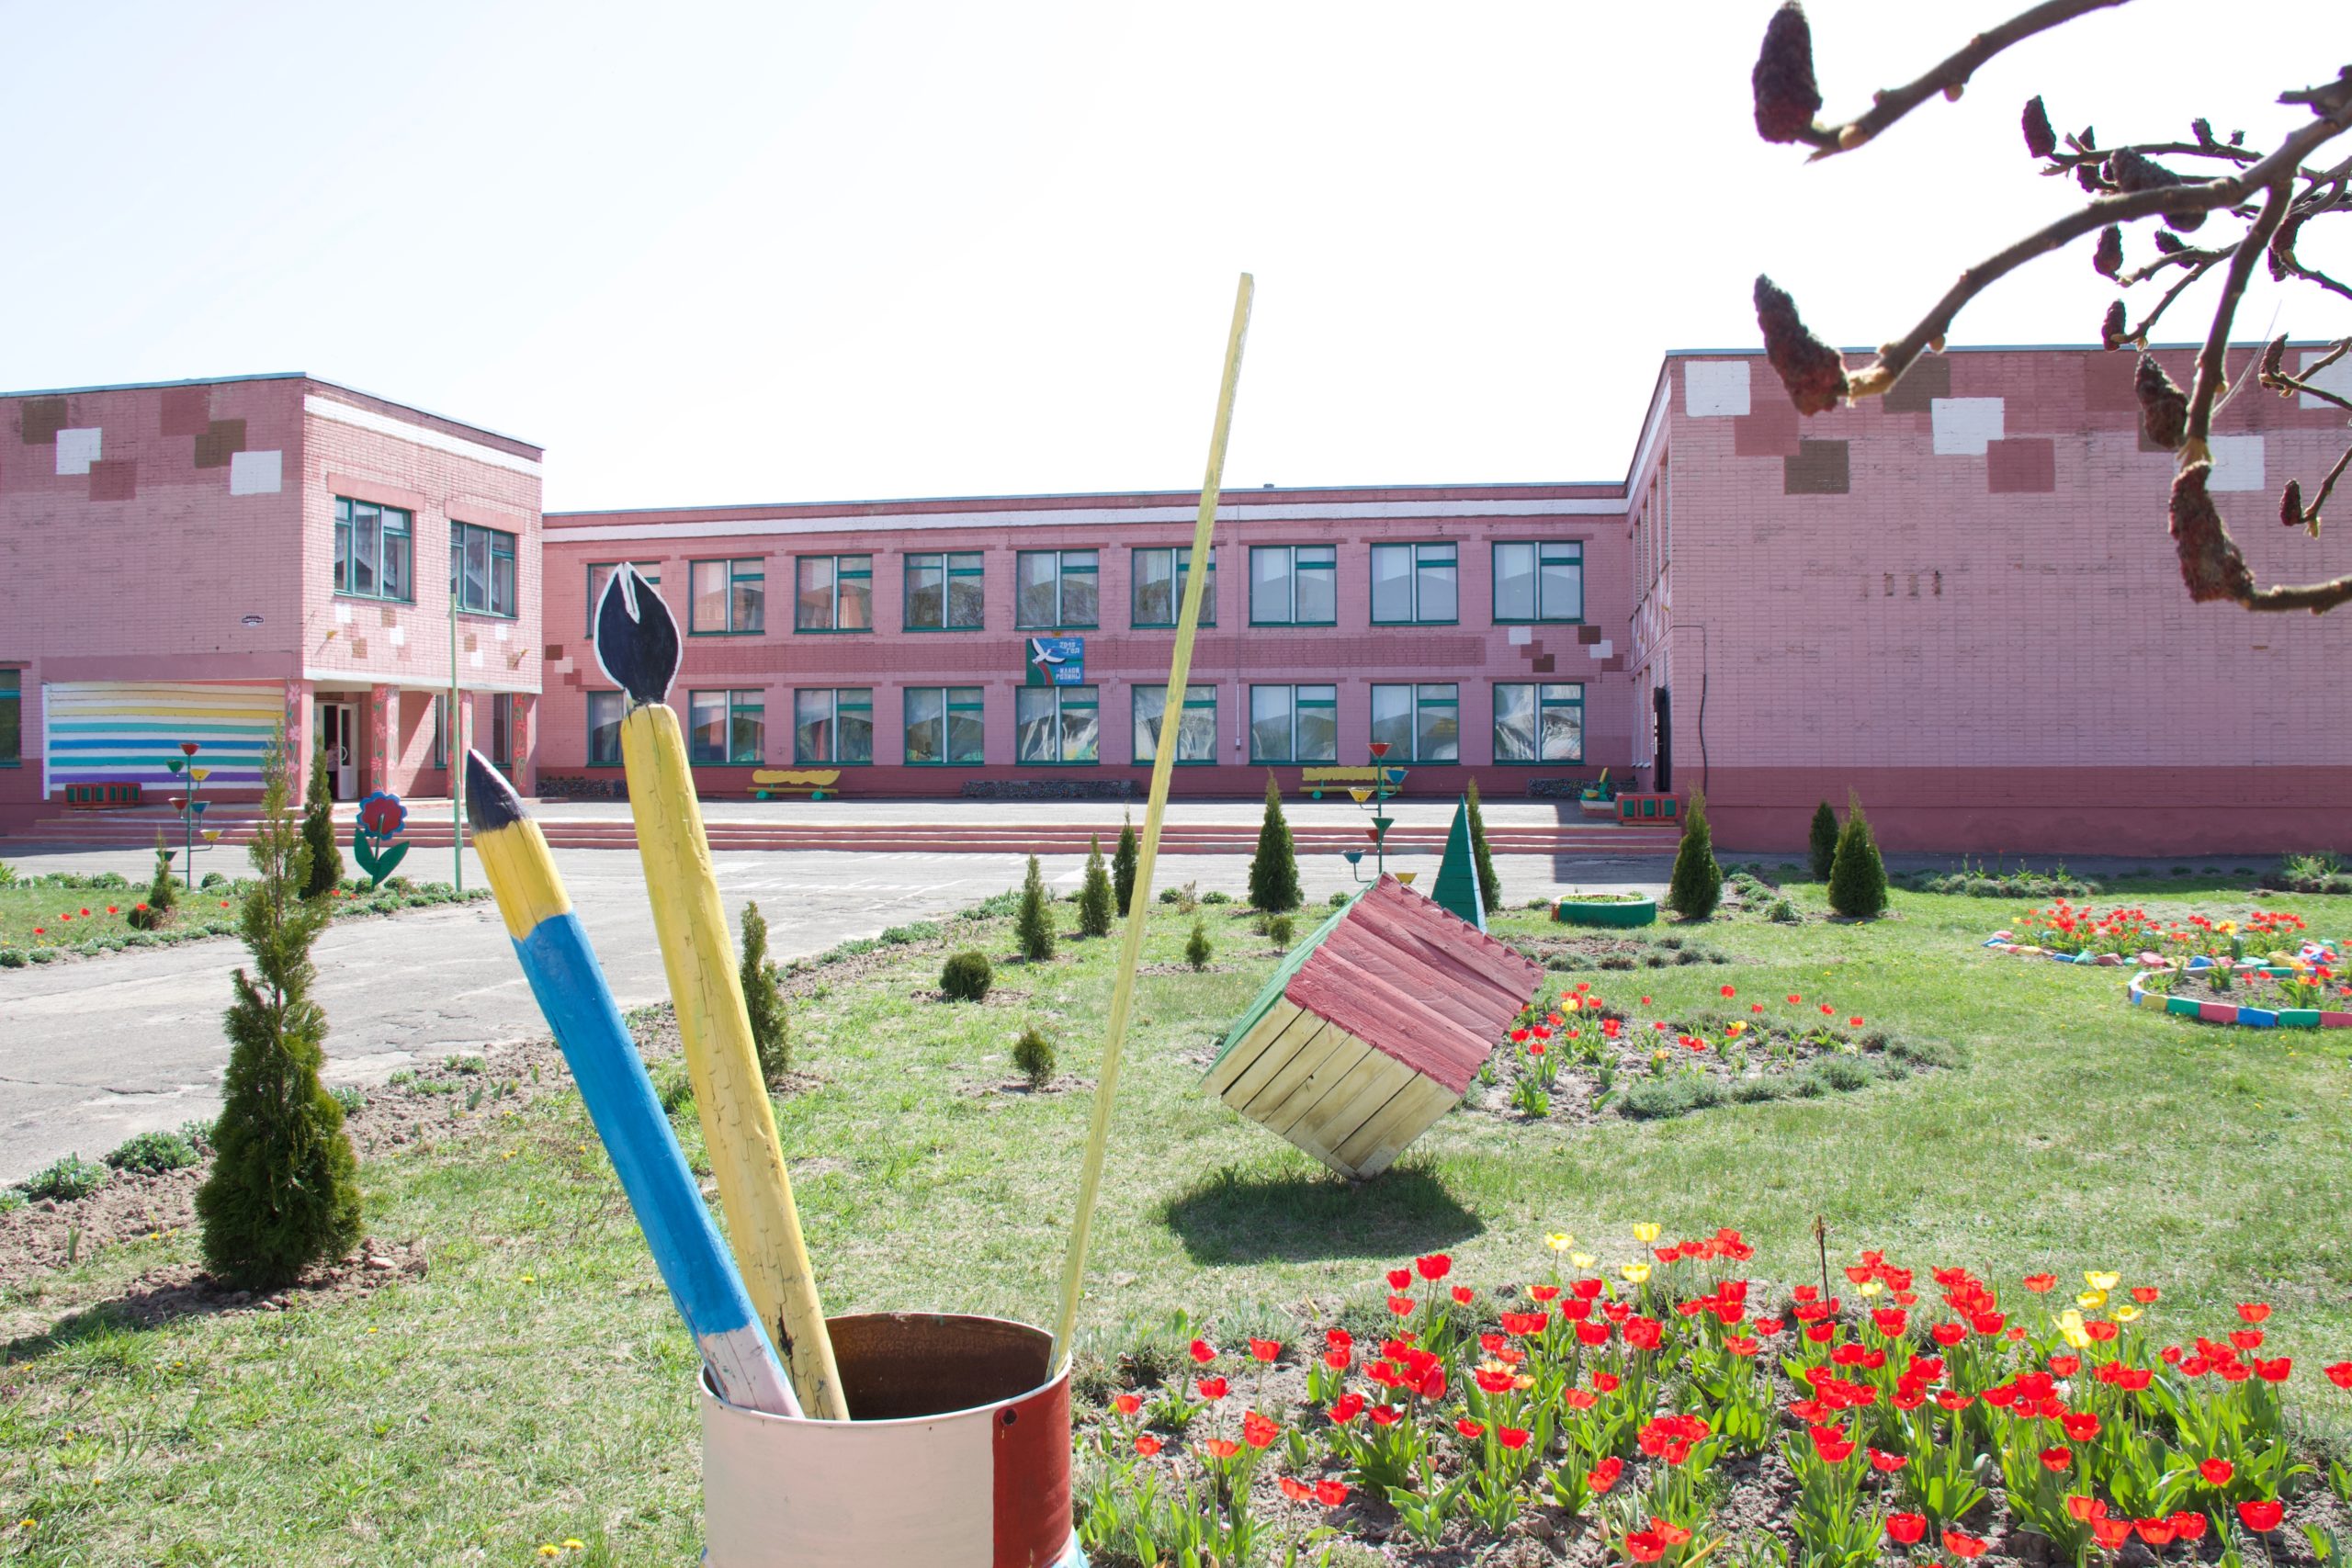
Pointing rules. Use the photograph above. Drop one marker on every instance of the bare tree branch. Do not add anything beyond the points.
(2212, 361)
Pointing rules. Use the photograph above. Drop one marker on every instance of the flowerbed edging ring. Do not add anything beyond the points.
(1615, 912)
(2000, 943)
(2232, 1013)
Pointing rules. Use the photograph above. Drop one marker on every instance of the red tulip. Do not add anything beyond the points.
(1222, 1448)
(1201, 1352)
(1962, 1546)
(2039, 1283)
(1258, 1430)
(2263, 1516)
(1147, 1445)
(1513, 1437)
(2340, 1374)
(1330, 1493)
(1602, 1476)
(1731, 990)
(2216, 1472)
(1296, 1490)
(2188, 1525)
(1436, 1266)
(2253, 1312)
(1213, 1388)
(1905, 1529)
(1644, 1546)
(2058, 1459)
(1264, 1349)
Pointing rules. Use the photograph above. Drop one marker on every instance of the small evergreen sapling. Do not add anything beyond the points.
(1034, 924)
(966, 976)
(1490, 886)
(1197, 951)
(283, 1194)
(1824, 844)
(1033, 1056)
(1094, 895)
(318, 831)
(162, 894)
(1698, 883)
(1122, 865)
(1858, 879)
(764, 1001)
(1274, 870)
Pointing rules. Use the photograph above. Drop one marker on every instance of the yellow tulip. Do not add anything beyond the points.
(2070, 1325)
(1635, 1273)
(1559, 1241)
(1645, 1234)
(2091, 1301)
(1582, 1259)
(1870, 1287)
(2127, 1314)
(2101, 1280)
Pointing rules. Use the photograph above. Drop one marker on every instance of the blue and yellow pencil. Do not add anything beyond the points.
(569, 986)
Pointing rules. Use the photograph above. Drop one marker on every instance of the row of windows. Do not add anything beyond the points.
(1290, 585)
(944, 726)
(375, 557)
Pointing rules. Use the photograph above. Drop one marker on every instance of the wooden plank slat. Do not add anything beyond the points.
(1412, 1111)
(1304, 1029)
(1352, 1053)
(1348, 1107)
(1311, 1055)
(1238, 1060)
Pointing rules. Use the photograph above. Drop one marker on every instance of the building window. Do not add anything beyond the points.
(730, 597)
(1539, 723)
(601, 572)
(1160, 578)
(1539, 581)
(12, 718)
(944, 726)
(1056, 724)
(835, 594)
(944, 592)
(833, 726)
(481, 570)
(1056, 589)
(502, 728)
(1421, 723)
(372, 547)
(604, 711)
(1195, 728)
(441, 732)
(1294, 724)
(1293, 585)
(1414, 584)
(727, 727)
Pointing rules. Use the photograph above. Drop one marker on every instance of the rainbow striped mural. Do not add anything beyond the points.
(96, 731)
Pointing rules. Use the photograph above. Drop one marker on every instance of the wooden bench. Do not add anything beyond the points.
(1315, 781)
(767, 783)
(118, 796)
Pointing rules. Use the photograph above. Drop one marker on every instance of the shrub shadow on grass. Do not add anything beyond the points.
(1256, 1213)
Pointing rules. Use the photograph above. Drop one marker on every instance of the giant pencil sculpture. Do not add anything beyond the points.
(569, 986)
(636, 644)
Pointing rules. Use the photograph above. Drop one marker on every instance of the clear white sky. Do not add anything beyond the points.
(798, 252)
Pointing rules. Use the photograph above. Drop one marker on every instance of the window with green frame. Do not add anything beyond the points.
(374, 549)
(1421, 723)
(481, 570)
(946, 591)
(833, 593)
(1056, 589)
(1160, 575)
(1539, 722)
(1415, 585)
(1293, 585)
(727, 727)
(1196, 727)
(605, 710)
(1538, 580)
(1294, 724)
(945, 727)
(601, 572)
(1056, 725)
(12, 718)
(730, 597)
(833, 725)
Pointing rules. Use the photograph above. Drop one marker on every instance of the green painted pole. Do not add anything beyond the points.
(453, 749)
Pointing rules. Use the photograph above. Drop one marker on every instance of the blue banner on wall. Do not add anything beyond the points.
(1058, 661)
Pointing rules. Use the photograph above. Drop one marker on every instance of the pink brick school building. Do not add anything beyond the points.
(1960, 601)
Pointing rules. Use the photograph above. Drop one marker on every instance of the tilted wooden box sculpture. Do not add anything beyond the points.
(1371, 1028)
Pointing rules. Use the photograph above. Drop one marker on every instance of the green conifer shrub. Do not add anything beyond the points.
(1698, 883)
(966, 976)
(764, 999)
(1197, 951)
(1094, 895)
(318, 830)
(283, 1194)
(1857, 877)
(1490, 886)
(1034, 924)
(1033, 1056)
(162, 894)
(1122, 865)
(1824, 845)
(1274, 870)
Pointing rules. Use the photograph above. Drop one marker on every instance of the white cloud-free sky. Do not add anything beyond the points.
(799, 252)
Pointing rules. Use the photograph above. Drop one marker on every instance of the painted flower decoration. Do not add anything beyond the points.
(382, 815)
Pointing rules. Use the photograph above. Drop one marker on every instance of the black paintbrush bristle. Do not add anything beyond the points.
(490, 801)
(636, 638)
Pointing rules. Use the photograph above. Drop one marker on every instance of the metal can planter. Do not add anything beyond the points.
(1612, 912)
(958, 1455)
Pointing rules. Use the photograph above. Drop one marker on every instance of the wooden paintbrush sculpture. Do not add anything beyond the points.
(636, 644)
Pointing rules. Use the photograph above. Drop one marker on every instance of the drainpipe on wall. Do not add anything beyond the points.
(1700, 628)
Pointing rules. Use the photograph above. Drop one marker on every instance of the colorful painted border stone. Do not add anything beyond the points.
(2232, 1013)
(1616, 913)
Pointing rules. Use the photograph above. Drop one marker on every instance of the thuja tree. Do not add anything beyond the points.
(1274, 870)
(1122, 865)
(1858, 880)
(283, 1194)
(2244, 206)
(1094, 895)
(318, 831)
(1490, 886)
(163, 893)
(1698, 883)
(764, 999)
(1824, 842)
(1034, 925)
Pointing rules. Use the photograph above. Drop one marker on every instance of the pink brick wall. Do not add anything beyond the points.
(1353, 655)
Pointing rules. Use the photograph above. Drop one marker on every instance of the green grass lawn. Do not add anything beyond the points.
(54, 916)
(534, 1387)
